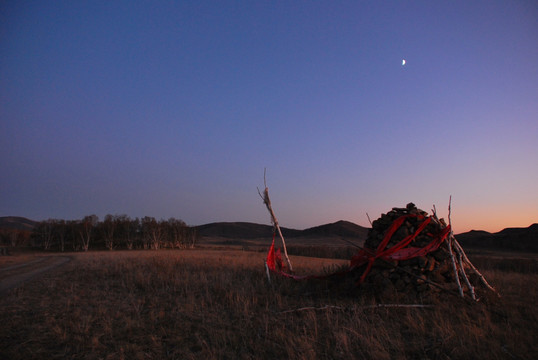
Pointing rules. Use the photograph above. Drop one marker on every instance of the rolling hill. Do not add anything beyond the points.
(17, 223)
(340, 228)
(517, 239)
(240, 230)
(240, 233)
(513, 239)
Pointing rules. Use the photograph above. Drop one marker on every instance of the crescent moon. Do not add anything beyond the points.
(403, 62)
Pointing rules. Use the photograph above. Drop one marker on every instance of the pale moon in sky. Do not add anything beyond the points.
(403, 62)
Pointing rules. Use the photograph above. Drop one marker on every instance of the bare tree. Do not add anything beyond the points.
(152, 232)
(177, 232)
(109, 225)
(5, 236)
(124, 230)
(44, 233)
(87, 225)
(134, 234)
(192, 237)
(72, 234)
(60, 233)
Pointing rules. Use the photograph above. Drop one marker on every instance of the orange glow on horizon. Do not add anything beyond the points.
(493, 221)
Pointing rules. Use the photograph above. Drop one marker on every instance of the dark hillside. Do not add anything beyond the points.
(244, 230)
(240, 230)
(17, 223)
(340, 228)
(516, 239)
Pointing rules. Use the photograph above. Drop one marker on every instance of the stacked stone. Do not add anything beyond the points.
(416, 274)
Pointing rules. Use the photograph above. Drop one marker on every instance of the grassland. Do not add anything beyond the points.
(208, 304)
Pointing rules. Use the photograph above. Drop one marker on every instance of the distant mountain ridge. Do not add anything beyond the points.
(340, 233)
(340, 228)
(17, 223)
(240, 230)
(519, 239)
(245, 230)
(515, 239)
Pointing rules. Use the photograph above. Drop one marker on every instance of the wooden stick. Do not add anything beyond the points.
(464, 274)
(326, 307)
(454, 267)
(397, 306)
(376, 306)
(450, 210)
(370, 221)
(267, 272)
(461, 252)
(267, 202)
(482, 278)
(351, 243)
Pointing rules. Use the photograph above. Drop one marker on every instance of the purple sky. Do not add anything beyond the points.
(174, 109)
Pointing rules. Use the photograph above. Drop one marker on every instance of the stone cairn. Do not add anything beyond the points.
(442, 269)
(430, 258)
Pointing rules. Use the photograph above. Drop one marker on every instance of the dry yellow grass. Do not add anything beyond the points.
(204, 304)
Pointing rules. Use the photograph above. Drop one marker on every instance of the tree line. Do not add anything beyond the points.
(114, 232)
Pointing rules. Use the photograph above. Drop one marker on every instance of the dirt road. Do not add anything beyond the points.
(17, 274)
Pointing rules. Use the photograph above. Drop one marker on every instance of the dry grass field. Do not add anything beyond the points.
(208, 304)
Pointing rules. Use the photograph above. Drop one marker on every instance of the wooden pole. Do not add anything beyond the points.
(452, 257)
(267, 202)
(456, 250)
(468, 262)
(462, 270)
(267, 272)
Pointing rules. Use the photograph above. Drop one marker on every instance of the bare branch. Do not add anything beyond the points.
(468, 262)
(449, 211)
(452, 257)
(267, 272)
(463, 274)
(376, 306)
(267, 202)
(370, 221)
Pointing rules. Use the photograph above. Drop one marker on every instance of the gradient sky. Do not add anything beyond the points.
(174, 109)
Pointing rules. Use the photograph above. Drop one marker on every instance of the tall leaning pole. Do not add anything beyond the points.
(267, 202)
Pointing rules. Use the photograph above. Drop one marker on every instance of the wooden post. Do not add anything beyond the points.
(462, 269)
(267, 202)
(452, 257)
(267, 272)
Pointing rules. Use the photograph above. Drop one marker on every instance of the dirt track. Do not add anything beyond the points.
(17, 274)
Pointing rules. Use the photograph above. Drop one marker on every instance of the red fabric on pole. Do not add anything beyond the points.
(271, 257)
(274, 263)
(274, 259)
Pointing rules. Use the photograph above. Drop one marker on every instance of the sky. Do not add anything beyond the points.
(175, 108)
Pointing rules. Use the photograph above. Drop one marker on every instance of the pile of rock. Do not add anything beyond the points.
(418, 273)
